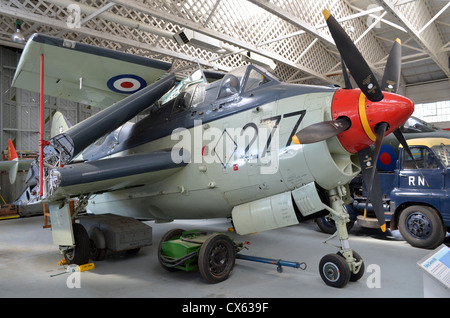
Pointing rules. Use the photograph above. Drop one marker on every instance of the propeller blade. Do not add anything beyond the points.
(348, 84)
(374, 192)
(368, 163)
(355, 62)
(321, 131)
(391, 76)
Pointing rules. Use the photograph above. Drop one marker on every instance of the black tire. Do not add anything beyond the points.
(334, 270)
(357, 276)
(421, 226)
(79, 255)
(326, 225)
(216, 258)
(97, 245)
(172, 234)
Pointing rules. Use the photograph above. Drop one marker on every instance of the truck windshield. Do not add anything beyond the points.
(443, 152)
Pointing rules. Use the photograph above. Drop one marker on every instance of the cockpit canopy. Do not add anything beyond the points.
(194, 91)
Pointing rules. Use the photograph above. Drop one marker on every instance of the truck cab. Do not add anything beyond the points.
(415, 194)
(419, 203)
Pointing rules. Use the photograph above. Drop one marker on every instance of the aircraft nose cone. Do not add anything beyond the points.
(393, 109)
(365, 115)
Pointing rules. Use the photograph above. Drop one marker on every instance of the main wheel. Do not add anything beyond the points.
(172, 234)
(97, 244)
(79, 254)
(216, 258)
(421, 226)
(334, 270)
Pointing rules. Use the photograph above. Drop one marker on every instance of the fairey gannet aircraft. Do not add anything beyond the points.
(247, 146)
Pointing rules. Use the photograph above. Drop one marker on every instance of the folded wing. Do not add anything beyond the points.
(113, 174)
(84, 73)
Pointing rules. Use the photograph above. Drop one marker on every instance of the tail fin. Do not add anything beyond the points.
(12, 154)
(14, 167)
(59, 124)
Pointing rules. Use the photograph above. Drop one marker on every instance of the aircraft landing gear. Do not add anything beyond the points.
(338, 269)
(79, 254)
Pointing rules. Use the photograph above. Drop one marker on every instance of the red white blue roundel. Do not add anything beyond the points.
(388, 158)
(126, 83)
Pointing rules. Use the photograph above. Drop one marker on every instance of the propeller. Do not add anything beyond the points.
(321, 131)
(368, 84)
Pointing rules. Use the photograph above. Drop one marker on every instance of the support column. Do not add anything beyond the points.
(41, 128)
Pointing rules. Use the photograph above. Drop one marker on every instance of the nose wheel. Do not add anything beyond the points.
(336, 270)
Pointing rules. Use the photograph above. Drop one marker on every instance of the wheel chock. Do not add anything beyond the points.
(74, 268)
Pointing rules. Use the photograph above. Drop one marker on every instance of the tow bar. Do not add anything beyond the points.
(278, 262)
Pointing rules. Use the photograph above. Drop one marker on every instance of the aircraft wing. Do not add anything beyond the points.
(113, 173)
(83, 73)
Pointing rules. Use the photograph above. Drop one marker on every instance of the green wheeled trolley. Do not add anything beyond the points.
(213, 254)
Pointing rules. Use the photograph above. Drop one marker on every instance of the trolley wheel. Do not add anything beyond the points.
(79, 254)
(172, 234)
(216, 258)
(334, 270)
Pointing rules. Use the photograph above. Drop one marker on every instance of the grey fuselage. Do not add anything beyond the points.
(240, 147)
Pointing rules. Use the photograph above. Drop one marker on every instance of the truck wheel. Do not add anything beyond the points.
(326, 224)
(334, 270)
(172, 234)
(79, 255)
(216, 258)
(421, 226)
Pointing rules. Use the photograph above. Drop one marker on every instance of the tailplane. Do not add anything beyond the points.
(59, 124)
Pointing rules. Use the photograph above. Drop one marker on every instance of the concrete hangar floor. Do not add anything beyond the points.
(29, 262)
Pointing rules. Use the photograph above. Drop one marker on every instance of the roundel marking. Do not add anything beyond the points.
(388, 158)
(126, 83)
